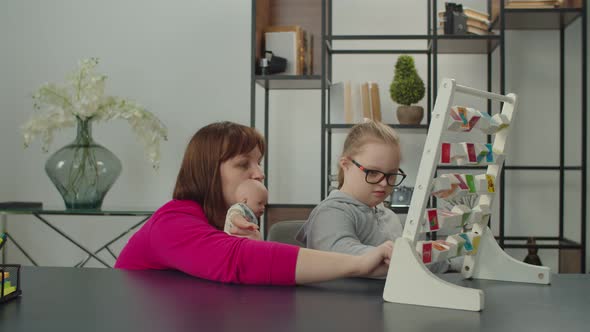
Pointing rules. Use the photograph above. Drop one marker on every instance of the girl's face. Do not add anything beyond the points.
(237, 169)
(374, 155)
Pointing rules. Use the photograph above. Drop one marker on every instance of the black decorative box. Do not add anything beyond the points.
(9, 282)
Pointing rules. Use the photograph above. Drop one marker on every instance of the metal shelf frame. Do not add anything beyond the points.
(508, 19)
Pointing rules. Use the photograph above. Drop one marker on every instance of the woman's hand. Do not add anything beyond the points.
(318, 266)
(243, 228)
(375, 263)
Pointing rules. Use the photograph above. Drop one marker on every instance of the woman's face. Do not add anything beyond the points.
(373, 156)
(237, 169)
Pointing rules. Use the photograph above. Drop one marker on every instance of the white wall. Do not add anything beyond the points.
(188, 61)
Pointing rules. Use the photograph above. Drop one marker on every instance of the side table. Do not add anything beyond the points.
(41, 214)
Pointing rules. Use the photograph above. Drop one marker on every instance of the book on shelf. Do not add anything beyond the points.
(17, 205)
(284, 41)
(483, 25)
(572, 3)
(470, 18)
(303, 55)
(470, 30)
(458, 20)
(309, 54)
(471, 14)
(356, 102)
(524, 4)
(473, 27)
(352, 102)
(370, 100)
(365, 101)
(375, 101)
(476, 14)
(528, 5)
(294, 44)
(470, 22)
(477, 31)
(341, 103)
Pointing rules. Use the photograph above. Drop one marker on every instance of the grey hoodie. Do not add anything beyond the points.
(343, 224)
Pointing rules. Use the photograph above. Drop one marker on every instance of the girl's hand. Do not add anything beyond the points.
(375, 263)
(241, 227)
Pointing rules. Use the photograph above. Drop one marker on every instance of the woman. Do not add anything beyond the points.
(186, 233)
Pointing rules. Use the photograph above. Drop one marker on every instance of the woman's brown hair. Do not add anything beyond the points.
(199, 179)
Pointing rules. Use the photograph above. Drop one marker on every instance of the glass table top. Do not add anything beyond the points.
(29, 208)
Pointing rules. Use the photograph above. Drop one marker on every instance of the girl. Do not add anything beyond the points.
(186, 234)
(353, 220)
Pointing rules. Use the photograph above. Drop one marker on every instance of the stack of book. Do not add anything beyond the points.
(21, 205)
(352, 103)
(516, 4)
(475, 22)
(294, 44)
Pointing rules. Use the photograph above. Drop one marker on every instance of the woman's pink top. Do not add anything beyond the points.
(179, 237)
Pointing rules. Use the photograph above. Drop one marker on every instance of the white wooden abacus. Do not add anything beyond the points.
(408, 280)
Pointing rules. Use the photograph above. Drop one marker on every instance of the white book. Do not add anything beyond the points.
(356, 101)
(341, 103)
(283, 44)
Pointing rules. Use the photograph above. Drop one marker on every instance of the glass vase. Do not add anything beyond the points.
(83, 171)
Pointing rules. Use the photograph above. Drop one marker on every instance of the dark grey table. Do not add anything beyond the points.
(69, 299)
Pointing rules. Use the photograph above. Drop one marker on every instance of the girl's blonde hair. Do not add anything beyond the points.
(362, 133)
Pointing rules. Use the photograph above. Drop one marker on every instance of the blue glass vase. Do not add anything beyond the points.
(83, 171)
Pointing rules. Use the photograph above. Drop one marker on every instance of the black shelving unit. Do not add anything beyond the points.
(289, 82)
(436, 44)
(508, 19)
(551, 19)
(270, 83)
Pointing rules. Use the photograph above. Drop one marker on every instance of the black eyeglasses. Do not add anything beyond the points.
(374, 176)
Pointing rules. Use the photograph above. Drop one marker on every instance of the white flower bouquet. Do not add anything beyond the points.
(83, 98)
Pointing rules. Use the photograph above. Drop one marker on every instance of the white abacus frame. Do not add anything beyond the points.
(408, 280)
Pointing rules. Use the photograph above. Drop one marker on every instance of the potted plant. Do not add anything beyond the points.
(406, 89)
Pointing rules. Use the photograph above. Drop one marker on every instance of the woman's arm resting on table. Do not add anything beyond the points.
(317, 266)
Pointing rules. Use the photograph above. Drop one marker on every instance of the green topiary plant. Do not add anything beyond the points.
(407, 87)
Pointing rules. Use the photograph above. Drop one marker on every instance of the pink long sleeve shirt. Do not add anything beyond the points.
(179, 237)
